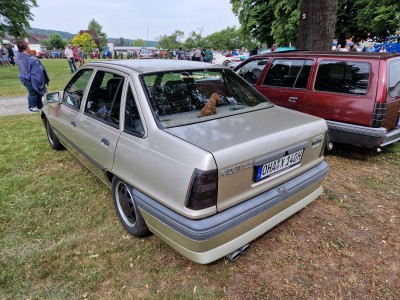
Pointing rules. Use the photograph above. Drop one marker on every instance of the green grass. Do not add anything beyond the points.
(57, 69)
(60, 237)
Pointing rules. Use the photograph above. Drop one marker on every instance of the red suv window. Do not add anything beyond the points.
(289, 73)
(348, 77)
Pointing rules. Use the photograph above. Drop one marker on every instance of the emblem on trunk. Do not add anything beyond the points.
(237, 168)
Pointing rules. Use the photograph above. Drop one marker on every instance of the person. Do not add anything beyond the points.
(383, 49)
(353, 48)
(255, 51)
(208, 55)
(370, 48)
(81, 56)
(4, 56)
(70, 56)
(338, 48)
(274, 47)
(203, 53)
(180, 54)
(75, 54)
(32, 75)
(10, 54)
(197, 54)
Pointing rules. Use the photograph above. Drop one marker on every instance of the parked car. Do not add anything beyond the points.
(358, 94)
(223, 60)
(43, 54)
(192, 153)
(146, 53)
(95, 54)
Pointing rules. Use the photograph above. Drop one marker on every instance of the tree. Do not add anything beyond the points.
(85, 40)
(139, 43)
(317, 24)
(15, 16)
(100, 37)
(122, 41)
(55, 41)
(228, 38)
(171, 41)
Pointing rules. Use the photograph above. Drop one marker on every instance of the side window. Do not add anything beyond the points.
(291, 73)
(394, 78)
(252, 70)
(133, 123)
(75, 90)
(349, 77)
(104, 99)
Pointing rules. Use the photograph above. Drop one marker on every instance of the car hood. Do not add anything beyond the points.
(241, 141)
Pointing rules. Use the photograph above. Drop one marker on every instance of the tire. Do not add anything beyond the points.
(227, 62)
(52, 138)
(127, 209)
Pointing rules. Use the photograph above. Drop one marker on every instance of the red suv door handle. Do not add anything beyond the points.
(292, 99)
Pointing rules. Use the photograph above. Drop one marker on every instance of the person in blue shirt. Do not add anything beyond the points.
(32, 75)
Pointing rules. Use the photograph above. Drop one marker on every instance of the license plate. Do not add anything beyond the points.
(279, 165)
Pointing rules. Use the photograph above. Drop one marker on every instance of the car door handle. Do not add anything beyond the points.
(292, 99)
(104, 141)
(73, 123)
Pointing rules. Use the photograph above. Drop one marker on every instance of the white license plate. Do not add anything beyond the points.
(279, 165)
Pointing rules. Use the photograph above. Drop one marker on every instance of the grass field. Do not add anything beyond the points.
(60, 237)
(57, 69)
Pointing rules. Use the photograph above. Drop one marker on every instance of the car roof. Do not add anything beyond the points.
(376, 55)
(154, 65)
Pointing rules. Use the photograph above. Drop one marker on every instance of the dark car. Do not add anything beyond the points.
(358, 94)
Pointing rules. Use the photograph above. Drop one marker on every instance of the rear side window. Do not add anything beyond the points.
(348, 77)
(290, 73)
(394, 78)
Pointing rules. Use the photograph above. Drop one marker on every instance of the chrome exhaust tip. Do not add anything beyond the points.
(244, 249)
(234, 255)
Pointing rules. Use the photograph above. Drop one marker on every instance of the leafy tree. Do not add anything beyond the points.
(100, 37)
(55, 41)
(194, 40)
(171, 41)
(279, 20)
(15, 16)
(139, 43)
(228, 38)
(317, 24)
(85, 40)
(122, 41)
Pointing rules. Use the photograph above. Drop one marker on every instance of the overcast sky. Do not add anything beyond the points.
(134, 19)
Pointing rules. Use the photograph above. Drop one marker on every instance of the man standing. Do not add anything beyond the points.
(209, 55)
(10, 54)
(197, 54)
(32, 75)
(70, 56)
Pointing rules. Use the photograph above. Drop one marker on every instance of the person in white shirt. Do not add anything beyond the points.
(70, 56)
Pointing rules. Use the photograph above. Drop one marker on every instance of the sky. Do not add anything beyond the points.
(135, 19)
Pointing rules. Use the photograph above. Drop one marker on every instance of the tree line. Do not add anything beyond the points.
(307, 24)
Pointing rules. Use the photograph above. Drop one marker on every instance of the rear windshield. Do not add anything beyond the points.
(394, 78)
(191, 96)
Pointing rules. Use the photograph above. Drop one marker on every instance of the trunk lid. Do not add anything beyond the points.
(242, 142)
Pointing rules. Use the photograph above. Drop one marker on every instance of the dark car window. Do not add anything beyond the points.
(133, 123)
(291, 73)
(75, 90)
(104, 98)
(394, 78)
(252, 70)
(348, 77)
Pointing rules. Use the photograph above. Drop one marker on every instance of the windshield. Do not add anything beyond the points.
(186, 97)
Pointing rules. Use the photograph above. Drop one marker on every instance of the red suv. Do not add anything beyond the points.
(358, 94)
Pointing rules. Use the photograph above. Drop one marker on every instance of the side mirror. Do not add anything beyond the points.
(52, 97)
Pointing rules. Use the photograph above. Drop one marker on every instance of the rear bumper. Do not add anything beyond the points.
(209, 239)
(361, 135)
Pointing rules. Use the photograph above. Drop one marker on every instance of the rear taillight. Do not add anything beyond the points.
(202, 192)
(379, 115)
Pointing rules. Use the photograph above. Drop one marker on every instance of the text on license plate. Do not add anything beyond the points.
(278, 165)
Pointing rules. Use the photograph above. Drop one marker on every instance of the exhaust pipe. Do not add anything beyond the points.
(235, 254)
